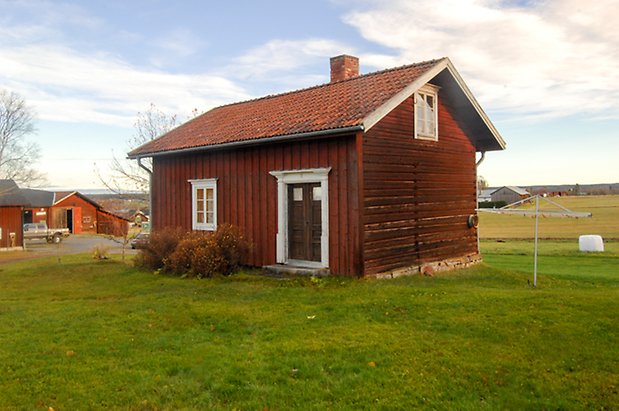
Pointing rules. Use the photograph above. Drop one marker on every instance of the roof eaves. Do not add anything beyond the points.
(475, 103)
(146, 144)
(63, 198)
(518, 190)
(102, 211)
(88, 199)
(255, 141)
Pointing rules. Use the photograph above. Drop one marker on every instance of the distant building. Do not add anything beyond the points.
(485, 195)
(12, 203)
(72, 210)
(138, 218)
(510, 194)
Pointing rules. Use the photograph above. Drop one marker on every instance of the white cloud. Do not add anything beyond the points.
(277, 56)
(63, 82)
(546, 59)
(65, 85)
(44, 15)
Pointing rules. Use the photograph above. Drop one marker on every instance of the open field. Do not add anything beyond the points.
(605, 220)
(84, 334)
(556, 259)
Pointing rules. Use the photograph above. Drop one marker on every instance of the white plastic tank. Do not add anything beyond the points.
(591, 243)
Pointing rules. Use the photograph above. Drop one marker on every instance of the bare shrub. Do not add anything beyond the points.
(206, 254)
(233, 246)
(161, 245)
(101, 252)
(180, 261)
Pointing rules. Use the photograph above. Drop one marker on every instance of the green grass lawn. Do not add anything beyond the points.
(84, 335)
(604, 222)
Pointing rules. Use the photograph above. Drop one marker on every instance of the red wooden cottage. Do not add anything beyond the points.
(368, 174)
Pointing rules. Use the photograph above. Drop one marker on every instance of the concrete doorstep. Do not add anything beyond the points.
(279, 270)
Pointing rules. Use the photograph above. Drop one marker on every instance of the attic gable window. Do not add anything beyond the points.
(426, 113)
(204, 204)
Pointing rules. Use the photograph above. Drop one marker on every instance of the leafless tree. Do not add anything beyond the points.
(126, 174)
(16, 154)
(482, 183)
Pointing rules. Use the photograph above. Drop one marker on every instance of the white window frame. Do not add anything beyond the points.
(207, 183)
(308, 175)
(426, 90)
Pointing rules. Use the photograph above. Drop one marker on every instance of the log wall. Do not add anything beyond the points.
(417, 194)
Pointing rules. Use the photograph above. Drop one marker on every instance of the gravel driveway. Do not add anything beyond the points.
(74, 244)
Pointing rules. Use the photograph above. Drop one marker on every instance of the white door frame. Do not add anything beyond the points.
(308, 175)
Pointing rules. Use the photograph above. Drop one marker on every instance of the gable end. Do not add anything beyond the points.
(468, 112)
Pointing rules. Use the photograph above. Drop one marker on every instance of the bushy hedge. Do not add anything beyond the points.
(196, 254)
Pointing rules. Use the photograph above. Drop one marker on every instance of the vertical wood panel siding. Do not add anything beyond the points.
(417, 194)
(247, 193)
(11, 222)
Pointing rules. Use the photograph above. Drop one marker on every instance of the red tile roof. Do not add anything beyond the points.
(329, 106)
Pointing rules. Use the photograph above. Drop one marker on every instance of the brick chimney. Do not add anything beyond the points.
(344, 67)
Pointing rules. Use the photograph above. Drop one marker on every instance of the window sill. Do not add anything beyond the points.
(205, 228)
(428, 138)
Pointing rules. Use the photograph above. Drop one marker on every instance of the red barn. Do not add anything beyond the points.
(76, 211)
(368, 174)
(72, 210)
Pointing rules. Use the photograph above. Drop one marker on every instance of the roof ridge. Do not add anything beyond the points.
(373, 73)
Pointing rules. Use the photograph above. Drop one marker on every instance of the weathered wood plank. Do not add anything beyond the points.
(418, 194)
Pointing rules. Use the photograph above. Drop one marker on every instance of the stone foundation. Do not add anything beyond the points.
(431, 268)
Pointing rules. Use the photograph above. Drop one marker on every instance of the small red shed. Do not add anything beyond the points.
(11, 215)
(368, 174)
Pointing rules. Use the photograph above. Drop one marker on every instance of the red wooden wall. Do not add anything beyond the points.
(88, 221)
(418, 194)
(110, 224)
(41, 217)
(11, 222)
(247, 193)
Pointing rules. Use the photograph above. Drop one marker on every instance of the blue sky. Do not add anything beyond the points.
(547, 72)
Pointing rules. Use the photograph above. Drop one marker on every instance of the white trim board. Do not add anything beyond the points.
(432, 90)
(308, 175)
(205, 183)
